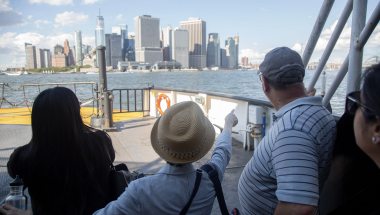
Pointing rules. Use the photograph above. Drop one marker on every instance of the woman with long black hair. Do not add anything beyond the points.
(66, 164)
(365, 105)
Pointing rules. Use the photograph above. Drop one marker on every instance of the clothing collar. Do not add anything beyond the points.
(172, 170)
(310, 100)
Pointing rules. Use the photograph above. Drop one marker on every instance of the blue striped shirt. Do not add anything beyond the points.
(292, 161)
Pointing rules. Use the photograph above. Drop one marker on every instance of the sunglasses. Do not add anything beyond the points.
(353, 103)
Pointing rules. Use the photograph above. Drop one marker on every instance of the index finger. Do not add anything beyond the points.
(233, 110)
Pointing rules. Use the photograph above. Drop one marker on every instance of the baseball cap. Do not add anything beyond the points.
(282, 65)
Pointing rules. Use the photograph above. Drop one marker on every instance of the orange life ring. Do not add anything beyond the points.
(158, 102)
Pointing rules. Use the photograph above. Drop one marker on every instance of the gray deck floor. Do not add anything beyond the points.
(132, 146)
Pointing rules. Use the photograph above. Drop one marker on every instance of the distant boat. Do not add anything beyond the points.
(14, 73)
(92, 73)
(25, 73)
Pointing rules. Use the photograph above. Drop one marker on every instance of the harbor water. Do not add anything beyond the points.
(241, 83)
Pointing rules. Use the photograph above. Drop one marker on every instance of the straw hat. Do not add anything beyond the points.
(183, 134)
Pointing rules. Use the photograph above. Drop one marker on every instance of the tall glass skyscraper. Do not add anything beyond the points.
(197, 41)
(99, 34)
(122, 30)
(78, 47)
(213, 50)
(231, 53)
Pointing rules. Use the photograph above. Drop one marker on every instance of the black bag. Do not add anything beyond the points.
(119, 178)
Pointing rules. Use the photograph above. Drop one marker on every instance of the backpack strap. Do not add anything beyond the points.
(195, 190)
(213, 175)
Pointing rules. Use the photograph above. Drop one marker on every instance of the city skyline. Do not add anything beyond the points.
(260, 25)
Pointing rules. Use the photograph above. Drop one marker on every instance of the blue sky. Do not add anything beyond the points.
(262, 25)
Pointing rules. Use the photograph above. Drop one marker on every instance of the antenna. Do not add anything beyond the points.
(99, 7)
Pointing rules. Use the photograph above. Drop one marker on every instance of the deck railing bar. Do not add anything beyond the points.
(128, 99)
(2, 96)
(135, 100)
(120, 101)
(317, 30)
(356, 53)
(363, 38)
(331, 44)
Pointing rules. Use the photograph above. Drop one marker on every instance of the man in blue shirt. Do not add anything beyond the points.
(292, 162)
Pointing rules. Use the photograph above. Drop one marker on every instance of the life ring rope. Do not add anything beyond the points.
(158, 102)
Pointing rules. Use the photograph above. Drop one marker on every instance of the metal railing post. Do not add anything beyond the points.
(363, 38)
(120, 101)
(101, 50)
(356, 53)
(317, 30)
(331, 44)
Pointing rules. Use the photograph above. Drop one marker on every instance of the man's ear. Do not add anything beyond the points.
(376, 131)
(266, 86)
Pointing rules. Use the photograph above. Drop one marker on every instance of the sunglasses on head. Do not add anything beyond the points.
(353, 103)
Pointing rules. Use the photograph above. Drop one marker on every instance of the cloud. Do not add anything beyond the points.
(262, 9)
(9, 17)
(254, 43)
(119, 17)
(89, 1)
(30, 17)
(131, 33)
(70, 19)
(253, 56)
(88, 40)
(52, 2)
(38, 22)
(344, 40)
(309, 17)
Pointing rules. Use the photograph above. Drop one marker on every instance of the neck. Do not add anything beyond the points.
(284, 97)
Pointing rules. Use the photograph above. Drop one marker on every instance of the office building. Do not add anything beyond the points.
(180, 46)
(131, 42)
(122, 30)
(59, 60)
(86, 49)
(89, 60)
(167, 41)
(100, 39)
(231, 53)
(40, 54)
(244, 61)
(224, 63)
(147, 39)
(213, 50)
(197, 41)
(165, 54)
(69, 53)
(58, 49)
(78, 47)
(30, 56)
(236, 38)
(113, 50)
(47, 57)
(72, 49)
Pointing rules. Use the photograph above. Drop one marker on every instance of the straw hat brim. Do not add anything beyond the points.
(210, 138)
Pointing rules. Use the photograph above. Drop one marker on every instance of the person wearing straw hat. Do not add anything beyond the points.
(181, 136)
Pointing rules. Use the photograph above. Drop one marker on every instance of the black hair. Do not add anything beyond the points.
(64, 154)
(278, 85)
(371, 92)
(174, 164)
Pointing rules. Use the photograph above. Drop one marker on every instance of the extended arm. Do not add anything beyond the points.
(293, 209)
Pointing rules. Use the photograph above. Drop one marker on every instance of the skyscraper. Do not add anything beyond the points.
(99, 34)
(40, 58)
(180, 46)
(69, 53)
(147, 39)
(47, 57)
(231, 53)
(72, 49)
(236, 38)
(167, 40)
(58, 49)
(130, 53)
(197, 41)
(213, 50)
(244, 61)
(78, 47)
(30, 56)
(113, 50)
(122, 30)
(223, 59)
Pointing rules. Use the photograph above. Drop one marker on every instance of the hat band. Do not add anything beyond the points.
(183, 155)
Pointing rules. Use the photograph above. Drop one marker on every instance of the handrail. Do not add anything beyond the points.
(317, 30)
(225, 95)
(331, 44)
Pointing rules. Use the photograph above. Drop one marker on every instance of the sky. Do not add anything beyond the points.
(261, 25)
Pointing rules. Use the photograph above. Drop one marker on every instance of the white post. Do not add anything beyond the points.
(323, 87)
(356, 52)
(331, 44)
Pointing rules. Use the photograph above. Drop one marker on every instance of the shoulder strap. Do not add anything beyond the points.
(213, 175)
(195, 190)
